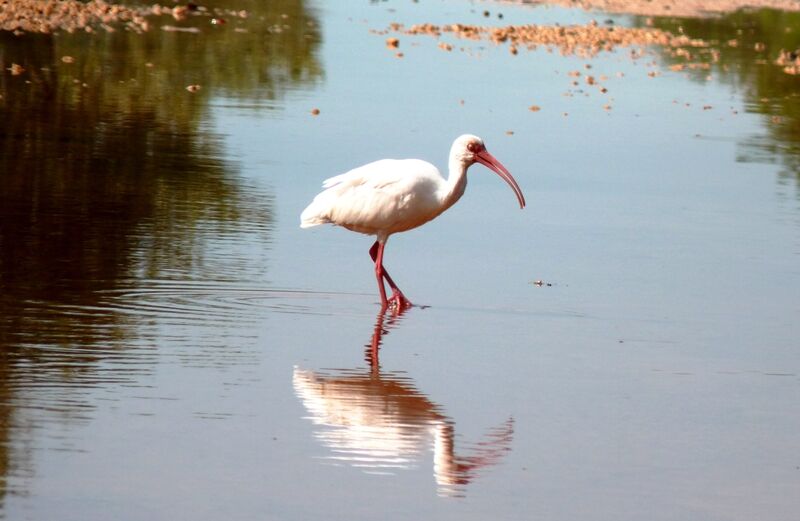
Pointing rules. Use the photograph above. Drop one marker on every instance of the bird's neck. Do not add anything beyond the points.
(456, 183)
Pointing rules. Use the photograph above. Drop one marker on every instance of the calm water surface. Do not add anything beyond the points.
(173, 346)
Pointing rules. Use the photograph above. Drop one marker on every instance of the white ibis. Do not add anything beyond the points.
(391, 196)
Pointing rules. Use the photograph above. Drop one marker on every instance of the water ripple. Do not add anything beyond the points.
(203, 301)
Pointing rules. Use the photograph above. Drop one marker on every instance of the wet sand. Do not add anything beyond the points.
(581, 40)
(590, 39)
(49, 16)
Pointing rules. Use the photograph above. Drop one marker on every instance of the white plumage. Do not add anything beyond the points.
(380, 198)
(391, 196)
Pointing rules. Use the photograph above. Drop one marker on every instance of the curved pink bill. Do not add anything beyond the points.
(489, 161)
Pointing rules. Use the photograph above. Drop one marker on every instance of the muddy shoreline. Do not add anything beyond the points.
(680, 8)
(49, 16)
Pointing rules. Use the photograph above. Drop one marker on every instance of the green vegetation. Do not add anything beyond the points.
(748, 44)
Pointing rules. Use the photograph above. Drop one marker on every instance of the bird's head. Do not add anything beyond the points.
(466, 147)
(469, 149)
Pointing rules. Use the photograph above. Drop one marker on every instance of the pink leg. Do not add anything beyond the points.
(376, 252)
(398, 299)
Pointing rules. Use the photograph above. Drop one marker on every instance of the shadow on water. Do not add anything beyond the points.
(378, 421)
(110, 178)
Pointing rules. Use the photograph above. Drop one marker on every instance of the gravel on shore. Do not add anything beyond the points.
(682, 8)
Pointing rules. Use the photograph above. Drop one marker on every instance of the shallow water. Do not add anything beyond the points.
(174, 346)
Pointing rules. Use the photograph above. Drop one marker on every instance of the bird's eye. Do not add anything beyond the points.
(472, 147)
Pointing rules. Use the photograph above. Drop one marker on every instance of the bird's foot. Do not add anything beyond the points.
(399, 302)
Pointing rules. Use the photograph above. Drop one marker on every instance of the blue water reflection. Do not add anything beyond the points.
(378, 421)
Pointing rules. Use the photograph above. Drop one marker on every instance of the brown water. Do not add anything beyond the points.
(173, 346)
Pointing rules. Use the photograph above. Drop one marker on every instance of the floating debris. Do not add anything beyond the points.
(790, 61)
(534, 108)
(177, 29)
(179, 12)
(315, 112)
(16, 69)
(392, 43)
(193, 88)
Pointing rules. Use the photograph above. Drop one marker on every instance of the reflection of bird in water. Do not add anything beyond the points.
(391, 196)
(380, 422)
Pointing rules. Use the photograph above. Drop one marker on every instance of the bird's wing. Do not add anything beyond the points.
(375, 196)
(378, 173)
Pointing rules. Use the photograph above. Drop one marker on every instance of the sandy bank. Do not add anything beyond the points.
(683, 8)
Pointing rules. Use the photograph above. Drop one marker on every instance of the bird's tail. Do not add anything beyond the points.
(312, 216)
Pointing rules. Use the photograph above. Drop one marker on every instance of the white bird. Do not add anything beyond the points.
(391, 196)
